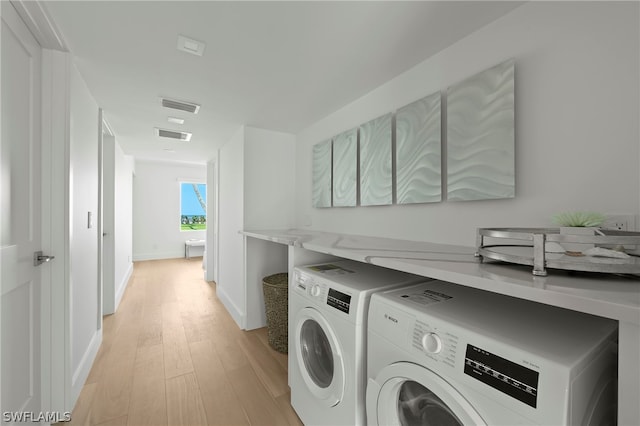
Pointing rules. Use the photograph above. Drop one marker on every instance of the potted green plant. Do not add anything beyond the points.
(578, 223)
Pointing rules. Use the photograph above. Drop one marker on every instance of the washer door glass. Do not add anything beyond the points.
(417, 405)
(319, 357)
(316, 353)
(404, 393)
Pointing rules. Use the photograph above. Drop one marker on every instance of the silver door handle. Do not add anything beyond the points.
(39, 258)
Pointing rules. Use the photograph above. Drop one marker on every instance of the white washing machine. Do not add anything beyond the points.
(444, 354)
(327, 328)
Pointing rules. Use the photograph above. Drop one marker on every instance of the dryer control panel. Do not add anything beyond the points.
(321, 293)
(339, 300)
(311, 288)
(320, 290)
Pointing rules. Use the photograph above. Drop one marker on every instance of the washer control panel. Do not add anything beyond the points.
(435, 342)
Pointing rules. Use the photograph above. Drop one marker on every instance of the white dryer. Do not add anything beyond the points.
(327, 328)
(444, 354)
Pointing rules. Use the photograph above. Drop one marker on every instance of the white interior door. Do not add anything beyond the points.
(20, 234)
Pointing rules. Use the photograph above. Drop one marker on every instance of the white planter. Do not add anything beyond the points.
(577, 230)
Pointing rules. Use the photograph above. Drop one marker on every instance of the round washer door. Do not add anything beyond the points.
(319, 356)
(408, 394)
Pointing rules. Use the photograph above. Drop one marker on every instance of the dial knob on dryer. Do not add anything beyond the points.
(315, 290)
(432, 343)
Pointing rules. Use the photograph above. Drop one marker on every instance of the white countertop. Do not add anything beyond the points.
(606, 295)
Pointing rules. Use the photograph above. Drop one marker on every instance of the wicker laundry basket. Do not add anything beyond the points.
(276, 300)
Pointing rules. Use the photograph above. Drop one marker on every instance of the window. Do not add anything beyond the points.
(193, 206)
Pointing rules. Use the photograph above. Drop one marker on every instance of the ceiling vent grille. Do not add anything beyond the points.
(173, 134)
(180, 105)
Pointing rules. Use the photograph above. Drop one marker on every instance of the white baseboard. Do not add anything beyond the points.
(255, 323)
(158, 256)
(82, 372)
(123, 286)
(236, 314)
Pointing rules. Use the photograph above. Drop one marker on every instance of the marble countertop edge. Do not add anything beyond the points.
(606, 295)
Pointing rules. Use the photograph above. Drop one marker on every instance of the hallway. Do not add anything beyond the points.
(172, 355)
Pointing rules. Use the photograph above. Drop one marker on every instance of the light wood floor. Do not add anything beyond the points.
(172, 355)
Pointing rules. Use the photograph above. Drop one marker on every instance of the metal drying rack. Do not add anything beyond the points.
(526, 246)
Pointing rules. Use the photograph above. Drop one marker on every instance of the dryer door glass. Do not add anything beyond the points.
(417, 405)
(316, 353)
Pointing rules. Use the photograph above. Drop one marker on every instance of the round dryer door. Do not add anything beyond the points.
(319, 356)
(408, 394)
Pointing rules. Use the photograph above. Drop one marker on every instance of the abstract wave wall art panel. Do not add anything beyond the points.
(345, 168)
(481, 135)
(376, 184)
(418, 151)
(322, 174)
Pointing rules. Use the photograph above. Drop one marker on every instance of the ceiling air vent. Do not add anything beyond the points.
(173, 134)
(180, 105)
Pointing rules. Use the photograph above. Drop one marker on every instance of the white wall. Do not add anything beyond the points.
(108, 218)
(156, 208)
(256, 191)
(577, 108)
(269, 176)
(118, 223)
(269, 165)
(230, 288)
(85, 313)
(210, 261)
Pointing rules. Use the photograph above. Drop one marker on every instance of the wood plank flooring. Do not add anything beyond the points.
(172, 355)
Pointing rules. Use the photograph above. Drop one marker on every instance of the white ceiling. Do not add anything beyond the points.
(275, 65)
